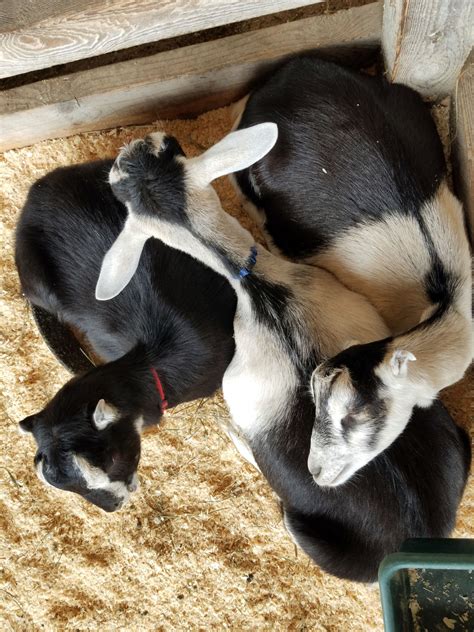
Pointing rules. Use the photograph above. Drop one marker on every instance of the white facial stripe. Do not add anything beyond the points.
(97, 479)
(40, 474)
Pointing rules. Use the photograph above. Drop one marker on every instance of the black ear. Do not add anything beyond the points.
(26, 424)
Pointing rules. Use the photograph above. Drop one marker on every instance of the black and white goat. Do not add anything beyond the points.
(167, 336)
(289, 317)
(357, 185)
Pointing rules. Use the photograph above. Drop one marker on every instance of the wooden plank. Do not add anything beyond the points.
(18, 14)
(180, 82)
(67, 31)
(463, 140)
(426, 42)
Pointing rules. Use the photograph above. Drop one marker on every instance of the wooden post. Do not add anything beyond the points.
(463, 140)
(426, 42)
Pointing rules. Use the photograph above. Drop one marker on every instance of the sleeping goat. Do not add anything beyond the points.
(357, 185)
(166, 339)
(289, 317)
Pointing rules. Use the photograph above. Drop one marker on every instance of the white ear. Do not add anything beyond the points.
(399, 362)
(234, 152)
(120, 263)
(104, 414)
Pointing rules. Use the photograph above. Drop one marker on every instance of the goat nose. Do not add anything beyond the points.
(316, 471)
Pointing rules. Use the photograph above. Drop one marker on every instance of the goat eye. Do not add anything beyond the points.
(348, 421)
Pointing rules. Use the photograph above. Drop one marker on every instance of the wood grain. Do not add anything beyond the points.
(180, 82)
(50, 32)
(426, 42)
(463, 140)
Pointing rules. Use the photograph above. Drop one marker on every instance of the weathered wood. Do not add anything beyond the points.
(463, 140)
(18, 14)
(180, 82)
(426, 42)
(51, 32)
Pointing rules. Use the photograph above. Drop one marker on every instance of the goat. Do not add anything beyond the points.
(168, 336)
(357, 186)
(289, 316)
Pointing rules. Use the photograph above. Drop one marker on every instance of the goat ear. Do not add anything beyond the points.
(399, 362)
(120, 263)
(26, 424)
(104, 414)
(321, 377)
(236, 151)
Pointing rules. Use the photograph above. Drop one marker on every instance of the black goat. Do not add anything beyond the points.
(171, 329)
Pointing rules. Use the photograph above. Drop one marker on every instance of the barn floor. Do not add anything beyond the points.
(202, 545)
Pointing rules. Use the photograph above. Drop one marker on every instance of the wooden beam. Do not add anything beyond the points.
(174, 83)
(50, 32)
(426, 42)
(463, 140)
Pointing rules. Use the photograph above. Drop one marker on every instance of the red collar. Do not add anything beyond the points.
(160, 389)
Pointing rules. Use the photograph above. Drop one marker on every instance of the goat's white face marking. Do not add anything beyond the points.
(40, 474)
(98, 479)
(350, 430)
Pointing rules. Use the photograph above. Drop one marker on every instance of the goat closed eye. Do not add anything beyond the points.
(348, 422)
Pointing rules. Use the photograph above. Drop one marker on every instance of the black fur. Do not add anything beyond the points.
(176, 315)
(161, 183)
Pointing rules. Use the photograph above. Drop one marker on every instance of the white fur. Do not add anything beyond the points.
(368, 259)
(260, 378)
(98, 479)
(139, 424)
(115, 175)
(40, 474)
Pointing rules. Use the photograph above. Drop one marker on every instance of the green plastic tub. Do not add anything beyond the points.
(429, 586)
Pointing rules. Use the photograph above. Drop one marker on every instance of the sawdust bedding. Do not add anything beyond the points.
(202, 544)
